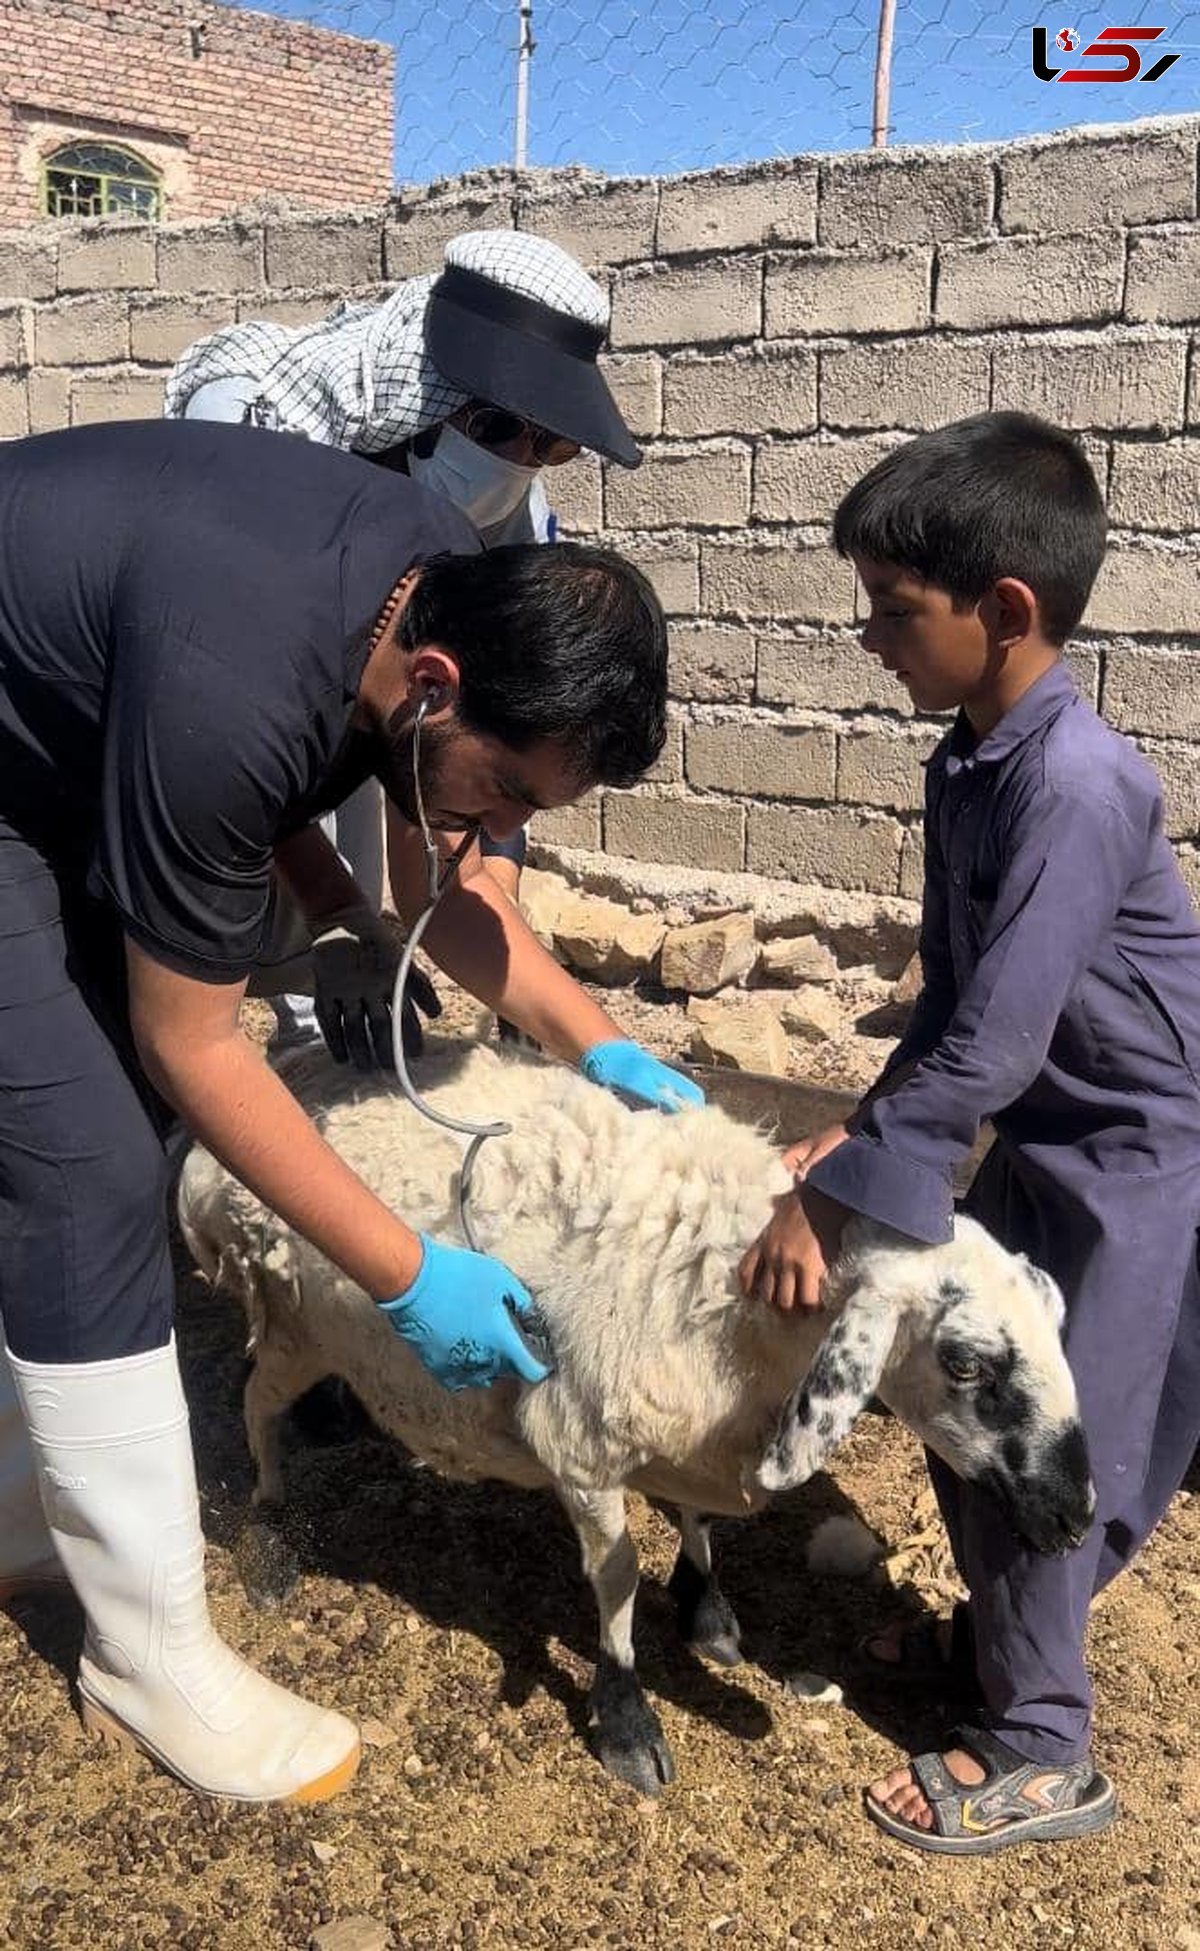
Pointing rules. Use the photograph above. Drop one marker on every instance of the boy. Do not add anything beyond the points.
(1061, 999)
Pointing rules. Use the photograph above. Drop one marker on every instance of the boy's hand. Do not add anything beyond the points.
(798, 1158)
(787, 1264)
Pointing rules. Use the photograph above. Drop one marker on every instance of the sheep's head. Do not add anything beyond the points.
(963, 1342)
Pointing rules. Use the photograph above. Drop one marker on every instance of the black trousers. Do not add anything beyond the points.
(85, 1269)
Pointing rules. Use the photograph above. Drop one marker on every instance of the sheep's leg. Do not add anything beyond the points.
(265, 1559)
(271, 1388)
(706, 1618)
(626, 1733)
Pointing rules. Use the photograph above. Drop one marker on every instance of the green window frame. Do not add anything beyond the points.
(100, 179)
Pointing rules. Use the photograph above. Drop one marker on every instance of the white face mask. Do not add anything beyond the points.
(484, 485)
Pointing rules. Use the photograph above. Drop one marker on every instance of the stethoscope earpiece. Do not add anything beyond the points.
(432, 700)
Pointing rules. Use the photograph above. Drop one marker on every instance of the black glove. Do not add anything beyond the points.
(355, 959)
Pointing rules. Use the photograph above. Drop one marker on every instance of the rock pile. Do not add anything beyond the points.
(754, 986)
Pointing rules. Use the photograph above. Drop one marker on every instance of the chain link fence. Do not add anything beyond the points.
(657, 86)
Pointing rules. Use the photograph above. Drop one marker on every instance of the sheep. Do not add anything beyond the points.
(628, 1227)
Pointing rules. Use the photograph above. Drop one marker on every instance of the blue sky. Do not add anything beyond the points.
(628, 86)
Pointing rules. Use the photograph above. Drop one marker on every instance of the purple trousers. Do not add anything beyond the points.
(1129, 1270)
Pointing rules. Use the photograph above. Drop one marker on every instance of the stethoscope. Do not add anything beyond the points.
(437, 883)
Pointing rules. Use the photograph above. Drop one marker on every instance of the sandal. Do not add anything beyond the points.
(922, 1655)
(1018, 1801)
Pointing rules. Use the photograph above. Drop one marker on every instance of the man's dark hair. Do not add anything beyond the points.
(565, 643)
(1000, 494)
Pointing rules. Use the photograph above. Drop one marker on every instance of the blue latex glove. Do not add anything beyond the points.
(461, 1316)
(624, 1067)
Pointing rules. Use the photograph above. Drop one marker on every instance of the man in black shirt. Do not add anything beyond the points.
(208, 635)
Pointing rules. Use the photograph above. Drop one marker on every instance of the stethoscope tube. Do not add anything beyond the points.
(437, 884)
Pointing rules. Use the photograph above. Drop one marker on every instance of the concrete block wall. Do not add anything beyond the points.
(775, 329)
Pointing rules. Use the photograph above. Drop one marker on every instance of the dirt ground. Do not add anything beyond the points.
(454, 1624)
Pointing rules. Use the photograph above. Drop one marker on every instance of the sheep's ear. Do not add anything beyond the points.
(844, 1372)
(1047, 1287)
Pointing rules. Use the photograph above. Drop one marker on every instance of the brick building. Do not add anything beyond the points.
(179, 108)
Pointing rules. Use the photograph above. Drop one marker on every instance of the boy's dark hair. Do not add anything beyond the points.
(565, 643)
(1000, 494)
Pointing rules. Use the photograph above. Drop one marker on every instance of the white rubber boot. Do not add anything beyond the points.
(119, 1487)
(28, 1560)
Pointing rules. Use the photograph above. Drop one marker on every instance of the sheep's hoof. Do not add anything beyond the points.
(722, 1649)
(266, 1563)
(715, 1632)
(706, 1619)
(626, 1733)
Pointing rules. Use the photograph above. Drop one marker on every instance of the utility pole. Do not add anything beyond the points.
(883, 73)
(525, 47)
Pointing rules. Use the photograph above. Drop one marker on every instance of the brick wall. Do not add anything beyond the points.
(224, 104)
(774, 329)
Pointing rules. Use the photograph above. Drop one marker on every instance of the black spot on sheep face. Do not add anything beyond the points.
(951, 1294)
(1015, 1451)
(1050, 1506)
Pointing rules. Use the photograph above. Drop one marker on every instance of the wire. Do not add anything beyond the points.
(437, 885)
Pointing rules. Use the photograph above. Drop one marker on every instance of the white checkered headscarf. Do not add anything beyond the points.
(361, 377)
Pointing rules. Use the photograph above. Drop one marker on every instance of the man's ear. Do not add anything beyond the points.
(434, 679)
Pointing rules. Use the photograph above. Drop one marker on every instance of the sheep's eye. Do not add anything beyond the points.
(962, 1368)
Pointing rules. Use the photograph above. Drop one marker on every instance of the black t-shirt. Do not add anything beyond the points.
(185, 612)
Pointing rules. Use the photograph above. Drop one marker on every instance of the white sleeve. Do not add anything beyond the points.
(542, 520)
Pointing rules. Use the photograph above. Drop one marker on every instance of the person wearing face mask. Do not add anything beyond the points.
(470, 459)
(474, 382)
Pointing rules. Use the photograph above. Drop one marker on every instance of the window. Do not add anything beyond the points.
(94, 179)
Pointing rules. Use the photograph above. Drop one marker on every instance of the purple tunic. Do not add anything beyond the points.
(1062, 1000)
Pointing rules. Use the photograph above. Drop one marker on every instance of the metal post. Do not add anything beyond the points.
(883, 73)
(525, 46)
